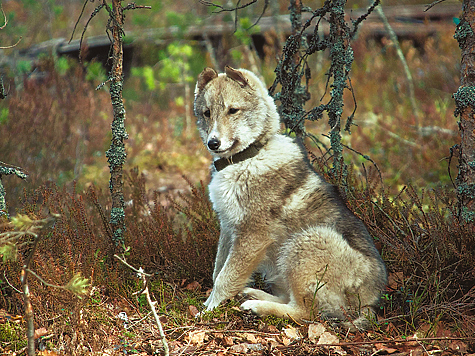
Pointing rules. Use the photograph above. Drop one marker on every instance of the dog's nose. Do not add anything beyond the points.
(214, 144)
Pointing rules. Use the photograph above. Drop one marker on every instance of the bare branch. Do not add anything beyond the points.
(223, 9)
(266, 4)
(79, 18)
(363, 17)
(94, 13)
(143, 276)
(431, 5)
(140, 272)
(133, 6)
(5, 18)
(6, 47)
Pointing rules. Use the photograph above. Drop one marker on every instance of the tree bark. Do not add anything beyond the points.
(465, 109)
(341, 55)
(116, 154)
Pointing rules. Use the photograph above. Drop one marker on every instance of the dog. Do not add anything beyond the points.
(278, 217)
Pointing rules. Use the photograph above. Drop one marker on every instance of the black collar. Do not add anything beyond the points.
(249, 152)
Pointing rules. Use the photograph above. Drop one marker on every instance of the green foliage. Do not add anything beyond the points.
(23, 66)
(181, 21)
(78, 285)
(11, 334)
(147, 74)
(3, 115)
(175, 66)
(95, 72)
(277, 322)
(62, 65)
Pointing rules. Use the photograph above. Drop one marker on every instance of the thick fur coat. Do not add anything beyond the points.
(278, 216)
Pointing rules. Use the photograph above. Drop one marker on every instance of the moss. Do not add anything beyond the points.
(12, 334)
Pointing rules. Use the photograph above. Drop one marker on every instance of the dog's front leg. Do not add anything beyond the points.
(224, 245)
(243, 258)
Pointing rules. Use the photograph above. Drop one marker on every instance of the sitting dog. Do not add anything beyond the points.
(278, 217)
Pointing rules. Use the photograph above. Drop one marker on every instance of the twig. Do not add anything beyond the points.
(243, 331)
(395, 341)
(138, 271)
(431, 5)
(29, 314)
(8, 282)
(157, 319)
(138, 321)
(43, 281)
(79, 18)
(4, 17)
(3, 26)
(133, 6)
(7, 47)
(223, 9)
(400, 54)
(363, 17)
(143, 276)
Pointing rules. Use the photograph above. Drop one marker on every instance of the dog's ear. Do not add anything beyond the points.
(236, 76)
(207, 75)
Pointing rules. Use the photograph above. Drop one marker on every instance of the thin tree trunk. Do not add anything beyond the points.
(29, 314)
(341, 55)
(116, 154)
(465, 109)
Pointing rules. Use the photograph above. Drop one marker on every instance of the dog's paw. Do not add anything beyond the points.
(252, 306)
(248, 292)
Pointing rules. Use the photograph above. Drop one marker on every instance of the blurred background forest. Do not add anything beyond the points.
(55, 125)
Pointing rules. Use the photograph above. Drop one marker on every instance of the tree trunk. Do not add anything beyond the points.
(341, 55)
(465, 109)
(116, 154)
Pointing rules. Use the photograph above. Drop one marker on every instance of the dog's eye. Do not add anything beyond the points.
(207, 113)
(233, 111)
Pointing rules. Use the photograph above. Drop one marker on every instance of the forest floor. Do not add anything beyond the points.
(117, 326)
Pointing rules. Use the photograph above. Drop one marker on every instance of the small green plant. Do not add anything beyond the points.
(279, 323)
(11, 334)
(318, 285)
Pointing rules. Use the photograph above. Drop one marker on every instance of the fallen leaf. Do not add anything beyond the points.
(239, 348)
(197, 337)
(250, 338)
(382, 347)
(40, 332)
(193, 286)
(285, 341)
(315, 331)
(193, 310)
(328, 338)
(47, 353)
(292, 333)
(271, 329)
(228, 341)
(417, 352)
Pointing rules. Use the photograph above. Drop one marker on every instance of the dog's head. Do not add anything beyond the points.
(233, 110)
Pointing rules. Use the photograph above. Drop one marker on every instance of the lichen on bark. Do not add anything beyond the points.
(465, 111)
